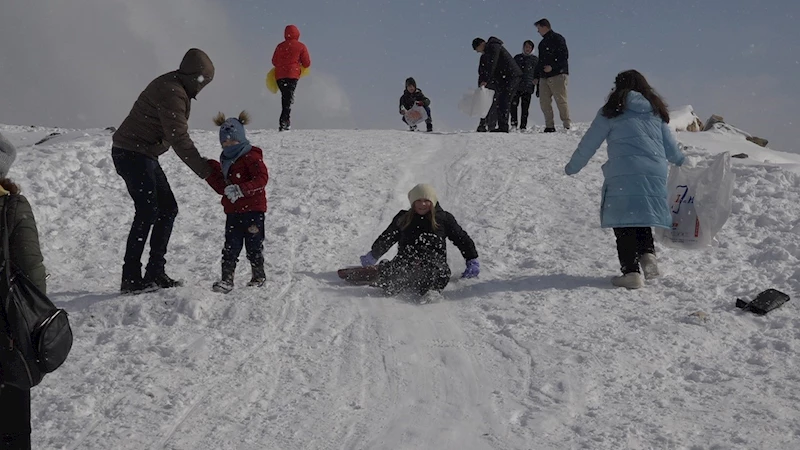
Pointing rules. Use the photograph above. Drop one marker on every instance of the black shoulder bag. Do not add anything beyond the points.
(36, 337)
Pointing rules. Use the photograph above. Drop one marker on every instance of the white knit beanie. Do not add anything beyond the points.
(422, 191)
(7, 156)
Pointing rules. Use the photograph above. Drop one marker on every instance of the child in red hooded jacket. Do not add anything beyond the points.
(290, 58)
(241, 178)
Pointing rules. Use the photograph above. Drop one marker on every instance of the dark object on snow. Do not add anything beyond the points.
(764, 302)
(713, 120)
(359, 275)
(111, 129)
(757, 140)
(48, 137)
(740, 156)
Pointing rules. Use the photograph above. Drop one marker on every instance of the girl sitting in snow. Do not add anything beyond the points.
(634, 123)
(241, 178)
(421, 261)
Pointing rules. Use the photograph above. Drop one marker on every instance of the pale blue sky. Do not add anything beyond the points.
(82, 65)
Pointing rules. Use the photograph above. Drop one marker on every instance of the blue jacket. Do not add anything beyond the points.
(639, 146)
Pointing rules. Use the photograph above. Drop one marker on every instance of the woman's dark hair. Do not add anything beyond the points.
(529, 42)
(632, 80)
(9, 185)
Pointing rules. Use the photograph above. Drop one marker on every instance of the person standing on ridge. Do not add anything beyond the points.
(290, 58)
(503, 72)
(526, 61)
(552, 72)
(488, 122)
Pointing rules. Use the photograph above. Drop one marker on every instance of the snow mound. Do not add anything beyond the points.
(540, 348)
(684, 119)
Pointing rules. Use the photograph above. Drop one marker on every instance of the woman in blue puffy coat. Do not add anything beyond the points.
(634, 123)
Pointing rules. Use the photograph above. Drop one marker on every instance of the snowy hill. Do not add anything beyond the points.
(539, 352)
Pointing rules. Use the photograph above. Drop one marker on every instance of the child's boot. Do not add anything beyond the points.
(430, 126)
(259, 277)
(225, 285)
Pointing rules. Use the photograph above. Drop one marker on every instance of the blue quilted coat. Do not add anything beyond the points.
(639, 146)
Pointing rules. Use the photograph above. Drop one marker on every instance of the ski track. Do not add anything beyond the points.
(539, 352)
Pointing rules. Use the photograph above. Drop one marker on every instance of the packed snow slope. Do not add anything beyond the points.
(538, 352)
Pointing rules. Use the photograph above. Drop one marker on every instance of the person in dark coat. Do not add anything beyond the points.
(552, 75)
(526, 61)
(157, 121)
(413, 96)
(240, 177)
(26, 255)
(420, 232)
(489, 122)
(503, 72)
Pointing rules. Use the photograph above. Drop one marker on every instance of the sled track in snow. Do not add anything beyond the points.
(226, 372)
(231, 378)
(111, 408)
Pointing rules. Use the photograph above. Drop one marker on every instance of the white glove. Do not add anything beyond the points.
(233, 192)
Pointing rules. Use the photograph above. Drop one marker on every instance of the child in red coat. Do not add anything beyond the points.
(290, 58)
(241, 178)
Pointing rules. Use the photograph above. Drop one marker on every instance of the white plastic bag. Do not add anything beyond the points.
(415, 115)
(477, 102)
(700, 202)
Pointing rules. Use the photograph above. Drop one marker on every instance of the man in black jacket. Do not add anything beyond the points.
(526, 61)
(552, 72)
(503, 72)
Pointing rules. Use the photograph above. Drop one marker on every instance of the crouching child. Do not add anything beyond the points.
(241, 178)
(414, 97)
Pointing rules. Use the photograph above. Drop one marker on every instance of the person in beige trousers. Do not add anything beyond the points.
(552, 75)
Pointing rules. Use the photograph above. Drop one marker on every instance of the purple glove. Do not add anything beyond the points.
(368, 260)
(473, 269)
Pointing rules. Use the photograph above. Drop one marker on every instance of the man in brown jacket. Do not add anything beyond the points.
(157, 121)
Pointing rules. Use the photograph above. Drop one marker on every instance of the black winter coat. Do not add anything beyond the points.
(553, 52)
(528, 65)
(408, 99)
(502, 68)
(484, 67)
(420, 241)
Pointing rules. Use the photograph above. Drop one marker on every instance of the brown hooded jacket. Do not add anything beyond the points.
(159, 117)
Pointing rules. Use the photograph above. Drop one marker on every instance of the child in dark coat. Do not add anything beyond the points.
(241, 178)
(413, 96)
(420, 232)
(526, 61)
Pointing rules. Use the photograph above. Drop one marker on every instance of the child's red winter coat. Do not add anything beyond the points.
(248, 172)
(290, 55)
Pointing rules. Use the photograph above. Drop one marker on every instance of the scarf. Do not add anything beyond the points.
(231, 154)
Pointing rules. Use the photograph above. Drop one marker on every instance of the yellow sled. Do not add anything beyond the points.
(272, 84)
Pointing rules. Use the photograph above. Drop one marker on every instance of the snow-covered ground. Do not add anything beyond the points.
(539, 352)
